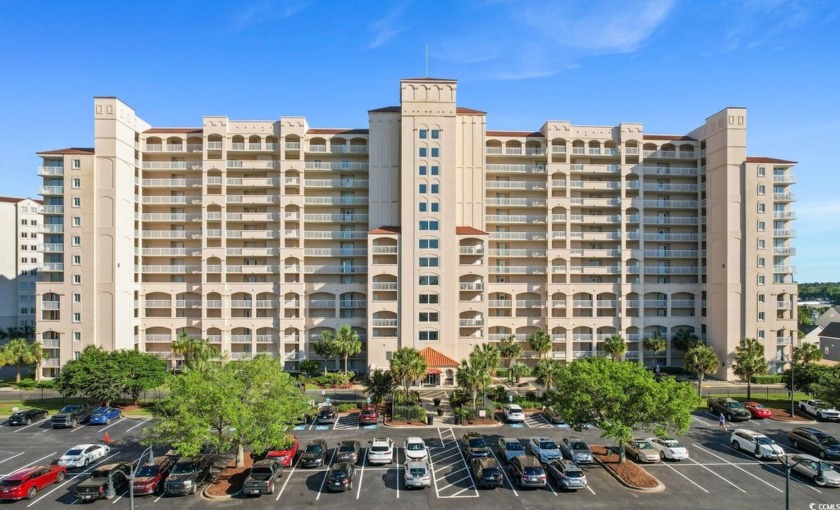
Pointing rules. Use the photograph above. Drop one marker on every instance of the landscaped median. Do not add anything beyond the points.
(229, 482)
(629, 474)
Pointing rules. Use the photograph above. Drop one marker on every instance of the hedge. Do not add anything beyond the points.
(767, 379)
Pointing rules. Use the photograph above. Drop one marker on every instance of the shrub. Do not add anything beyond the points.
(502, 372)
(26, 384)
(673, 371)
(347, 407)
(529, 404)
(409, 413)
(400, 397)
(499, 394)
(310, 367)
(767, 379)
(46, 384)
(531, 395)
(459, 397)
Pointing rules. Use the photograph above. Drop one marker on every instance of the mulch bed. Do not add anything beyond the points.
(784, 415)
(230, 481)
(392, 423)
(629, 472)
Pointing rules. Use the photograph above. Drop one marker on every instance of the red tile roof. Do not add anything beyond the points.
(336, 131)
(385, 230)
(762, 159)
(69, 150)
(680, 138)
(174, 130)
(534, 134)
(460, 110)
(435, 359)
(469, 231)
(386, 109)
(11, 200)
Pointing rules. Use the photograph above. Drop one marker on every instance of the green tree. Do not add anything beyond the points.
(346, 343)
(407, 365)
(518, 370)
(252, 402)
(805, 377)
(540, 342)
(684, 339)
(486, 358)
(827, 388)
(379, 384)
(309, 367)
(326, 347)
(655, 343)
(749, 361)
(20, 353)
(472, 377)
(703, 361)
(806, 315)
(197, 352)
(807, 353)
(546, 372)
(510, 349)
(141, 371)
(95, 375)
(615, 346)
(619, 398)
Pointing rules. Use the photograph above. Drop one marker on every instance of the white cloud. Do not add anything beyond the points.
(267, 10)
(385, 29)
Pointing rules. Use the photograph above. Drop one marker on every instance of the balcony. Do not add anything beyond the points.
(50, 190)
(168, 217)
(524, 185)
(683, 171)
(336, 183)
(520, 169)
(252, 182)
(520, 218)
(386, 286)
(168, 234)
(241, 303)
(471, 323)
(52, 247)
(784, 179)
(335, 200)
(51, 171)
(50, 305)
(51, 267)
(341, 252)
(658, 186)
(335, 269)
(784, 233)
(384, 323)
(336, 218)
(517, 270)
(252, 163)
(532, 253)
(171, 269)
(252, 199)
(672, 220)
(292, 146)
(158, 303)
(672, 254)
(170, 183)
(516, 202)
(784, 215)
(780, 197)
(172, 165)
(784, 269)
(517, 236)
(52, 209)
(670, 204)
(608, 169)
(336, 165)
(179, 200)
(669, 154)
(476, 286)
(784, 251)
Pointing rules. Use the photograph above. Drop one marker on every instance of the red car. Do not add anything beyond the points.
(28, 481)
(151, 476)
(286, 456)
(757, 410)
(369, 415)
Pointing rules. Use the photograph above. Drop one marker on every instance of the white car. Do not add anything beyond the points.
(514, 414)
(756, 443)
(544, 449)
(83, 454)
(415, 449)
(669, 449)
(381, 451)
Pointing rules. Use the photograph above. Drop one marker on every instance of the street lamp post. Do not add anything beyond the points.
(134, 472)
(786, 464)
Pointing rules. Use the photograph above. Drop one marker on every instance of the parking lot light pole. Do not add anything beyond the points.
(135, 470)
(788, 467)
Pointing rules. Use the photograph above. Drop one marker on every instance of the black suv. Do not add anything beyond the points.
(816, 441)
(71, 415)
(487, 472)
(187, 474)
(97, 485)
(731, 409)
(326, 414)
(263, 475)
(474, 445)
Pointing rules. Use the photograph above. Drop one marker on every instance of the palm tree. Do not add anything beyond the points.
(347, 343)
(407, 365)
(749, 361)
(184, 345)
(19, 352)
(655, 343)
(517, 371)
(510, 349)
(202, 353)
(615, 346)
(486, 359)
(540, 342)
(807, 353)
(684, 339)
(472, 377)
(703, 361)
(546, 372)
(326, 347)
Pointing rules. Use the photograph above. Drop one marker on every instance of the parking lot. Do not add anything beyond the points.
(715, 476)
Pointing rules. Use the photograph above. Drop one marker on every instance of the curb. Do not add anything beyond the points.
(441, 426)
(659, 488)
(211, 497)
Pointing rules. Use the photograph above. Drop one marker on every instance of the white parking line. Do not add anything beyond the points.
(362, 475)
(31, 463)
(119, 497)
(288, 477)
(70, 479)
(396, 461)
(134, 427)
(687, 478)
(117, 422)
(326, 474)
(714, 473)
(447, 457)
(12, 457)
(504, 474)
(32, 425)
(765, 482)
(456, 481)
(771, 467)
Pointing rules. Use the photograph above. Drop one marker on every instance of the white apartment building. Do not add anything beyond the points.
(426, 229)
(20, 258)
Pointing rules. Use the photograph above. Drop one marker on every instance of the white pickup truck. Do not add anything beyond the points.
(817, 409)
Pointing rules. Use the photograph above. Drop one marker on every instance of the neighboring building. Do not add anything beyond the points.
(20, 257)
(830, 342)
(424, 230)
(831, 314)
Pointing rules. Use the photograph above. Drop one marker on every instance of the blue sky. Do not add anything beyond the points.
(664, 63)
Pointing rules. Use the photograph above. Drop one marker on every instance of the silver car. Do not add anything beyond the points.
(510, 447)
(820, 471)
(418, 474)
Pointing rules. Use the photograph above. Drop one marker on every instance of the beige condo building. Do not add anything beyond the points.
(20, 258)
(426, 229)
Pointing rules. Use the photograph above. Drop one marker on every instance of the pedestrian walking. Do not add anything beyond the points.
(722, 422)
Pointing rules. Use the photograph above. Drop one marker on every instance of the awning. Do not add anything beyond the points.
(433, 371)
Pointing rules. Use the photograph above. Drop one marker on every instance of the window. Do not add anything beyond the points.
(422, 206)
(423, 133)
(761, 316)
(429, 299)
(77, 183)
(77, 336)
(77, 298)
(24, 222)
(428, 335)
(760, 207)
(761, 226)
(429, 262)
(422, 189)
(77, 260)
(77, 221)
(77, 202)
(77, 279)
(24, 247)
(430, 279)
(428, 316)
(435, 207)
(422, 170)
(77, 317)
(761, 298)
(761, 279)
(761, 171)
(435, 170)
(761, 244)
(429, 225)
(423, 152)
(435, 134)
(435, 152)
(77, 240)
(760, 261)
(435, 189)
(429, 244)
(77, 163)
(762, 189)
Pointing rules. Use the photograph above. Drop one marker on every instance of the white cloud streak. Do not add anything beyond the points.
(385, 29)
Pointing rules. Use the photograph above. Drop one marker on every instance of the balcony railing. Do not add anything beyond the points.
(524, 169)
(336, 183)
(51, 171)
(51, 190)
(336, 165)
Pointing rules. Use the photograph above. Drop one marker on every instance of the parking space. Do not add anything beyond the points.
(537, 421)
(347, 422)
(451, 476)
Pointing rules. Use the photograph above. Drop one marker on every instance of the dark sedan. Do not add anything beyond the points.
(27, 416)
(340, 477)
(314, 454)
(348, 451)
